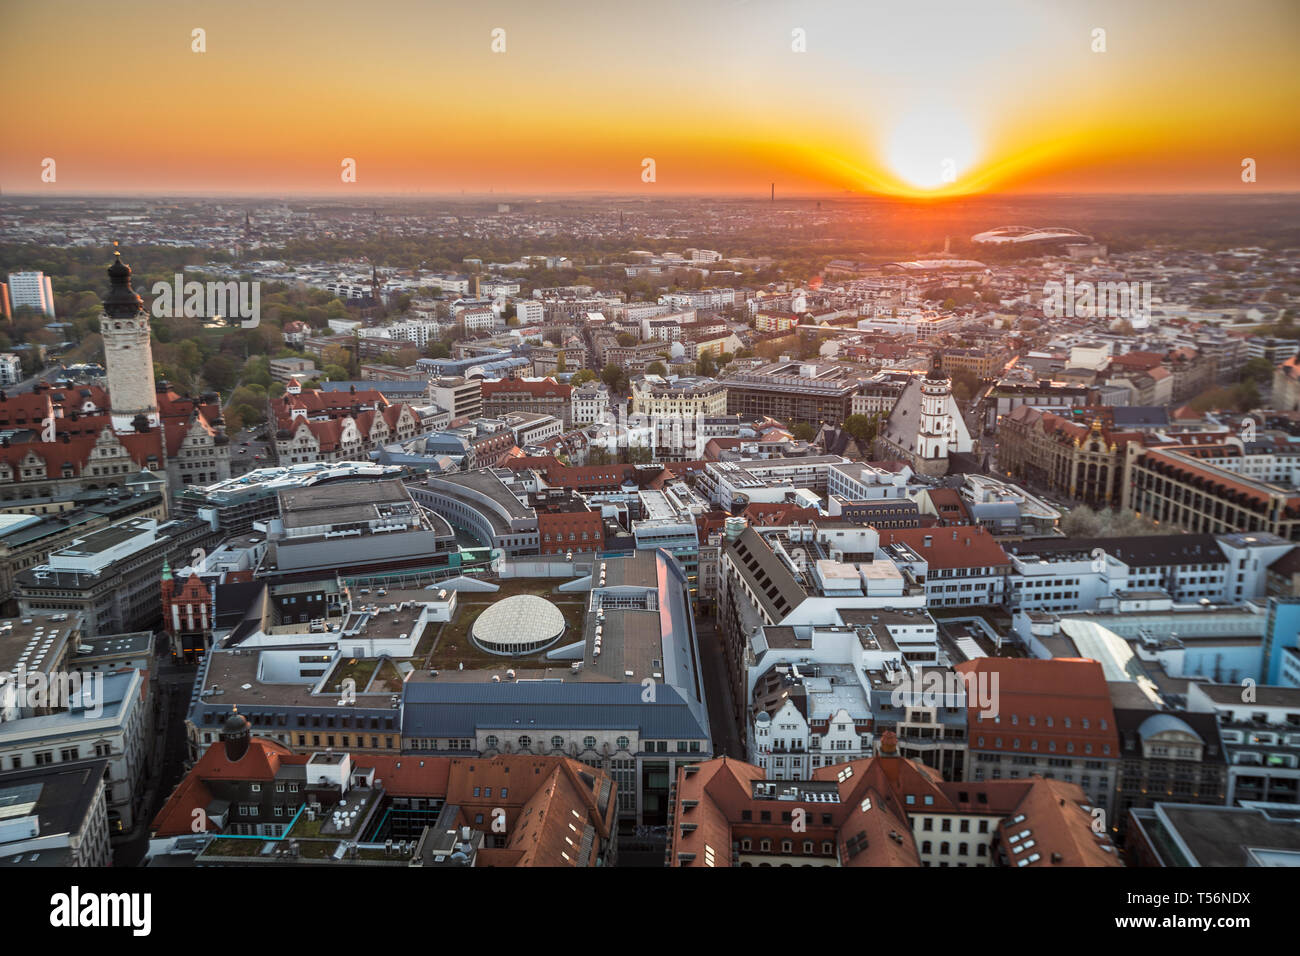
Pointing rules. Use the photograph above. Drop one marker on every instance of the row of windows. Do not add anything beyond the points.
(927, 824)
(43, 758)
(963, 849)
(1033, 721)
(1051, 745)
(787, 846)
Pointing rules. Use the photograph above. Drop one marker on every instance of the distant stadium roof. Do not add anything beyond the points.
(1029, 235)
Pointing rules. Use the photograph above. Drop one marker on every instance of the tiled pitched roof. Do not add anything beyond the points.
(960, 547)
(545, 388)
(259, 763)
(1058, 706)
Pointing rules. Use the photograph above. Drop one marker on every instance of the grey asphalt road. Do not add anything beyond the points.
(726, 735)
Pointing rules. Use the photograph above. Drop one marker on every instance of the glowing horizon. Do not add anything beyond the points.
(1008, 96)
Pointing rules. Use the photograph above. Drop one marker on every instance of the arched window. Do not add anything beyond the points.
(589, 743)
(525, 742)
(557, 743)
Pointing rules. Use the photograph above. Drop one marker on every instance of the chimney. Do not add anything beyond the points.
(925, 542)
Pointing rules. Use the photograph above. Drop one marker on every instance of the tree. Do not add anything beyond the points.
(560, 365)
(1081, 522)
(405, 358)
(611, 375)
(626, 339)
(804, 432)
(1218, 397)
(256, 372)
(706, 366)
(337, 355)
(1257, 370)
(863, 428)
(1246, 395)
(219, 372)
(1126, 523)
(582, 376)
(243, 415)
(656, 368)
(335, 373)
(965, 384)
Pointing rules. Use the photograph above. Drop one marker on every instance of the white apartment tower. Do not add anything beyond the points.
(32, 289)
(128, 355)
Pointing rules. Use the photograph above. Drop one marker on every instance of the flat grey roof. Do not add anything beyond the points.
(434, 709)
(61, 796)
(339, 504)
(486, 482)
(1223, 836)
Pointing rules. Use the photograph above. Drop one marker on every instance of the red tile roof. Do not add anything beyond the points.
(545, 388)
(870, 825)
(960, 547)
(1042, 707)
(259, 763)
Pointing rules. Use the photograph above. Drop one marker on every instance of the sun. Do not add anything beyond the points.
(931, 147)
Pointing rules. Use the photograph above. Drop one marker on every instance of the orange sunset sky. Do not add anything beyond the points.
(1008, 95)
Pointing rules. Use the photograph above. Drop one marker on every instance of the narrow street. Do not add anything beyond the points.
(726, 735)
(173, 684)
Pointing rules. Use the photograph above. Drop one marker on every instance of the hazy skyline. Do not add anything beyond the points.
(1010, 93)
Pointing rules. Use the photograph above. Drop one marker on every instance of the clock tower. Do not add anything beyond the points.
(128, 355)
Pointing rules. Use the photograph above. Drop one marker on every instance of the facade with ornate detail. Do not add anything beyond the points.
(84, 438)
(188, 610)
(312, 425)
(1083, 462)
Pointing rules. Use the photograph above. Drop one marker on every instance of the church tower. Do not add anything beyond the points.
(936, 422)
(128, 356)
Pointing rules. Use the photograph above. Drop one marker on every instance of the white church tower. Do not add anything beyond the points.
(128, 355)
(936, 426)
(926, 426)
